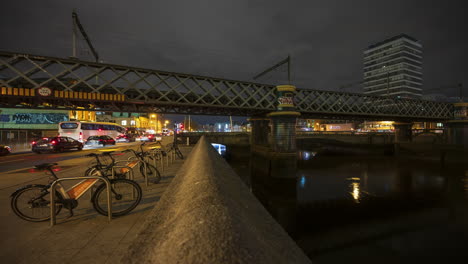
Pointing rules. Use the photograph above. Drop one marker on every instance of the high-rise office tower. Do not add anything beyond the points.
(393, 68)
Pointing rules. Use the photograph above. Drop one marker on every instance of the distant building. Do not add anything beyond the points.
(393, 68)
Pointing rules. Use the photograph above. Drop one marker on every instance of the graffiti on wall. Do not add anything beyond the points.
(38, 118)
(4, 118)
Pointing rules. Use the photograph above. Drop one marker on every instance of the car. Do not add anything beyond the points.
(99, 141)
(4, 150)
(150, 137)
(145, 137)
(58, 144)
(125, 138)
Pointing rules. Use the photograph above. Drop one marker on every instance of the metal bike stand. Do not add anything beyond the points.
(52, 195)
(161, 157)
(155, 154)
(145, 169)
(144, 164)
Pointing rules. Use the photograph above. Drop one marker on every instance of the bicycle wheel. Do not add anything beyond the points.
(126, 195)
(32, 203)
(93, 171)
(179, 154)
(90, 171)
(151, 172)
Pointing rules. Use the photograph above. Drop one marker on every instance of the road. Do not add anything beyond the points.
(29, 159)
(87, 237)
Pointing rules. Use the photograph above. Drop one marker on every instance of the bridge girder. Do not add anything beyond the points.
(148, 90)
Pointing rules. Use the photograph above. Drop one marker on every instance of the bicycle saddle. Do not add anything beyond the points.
(45, 165)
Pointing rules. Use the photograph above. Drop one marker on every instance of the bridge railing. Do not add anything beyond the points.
(208, 215)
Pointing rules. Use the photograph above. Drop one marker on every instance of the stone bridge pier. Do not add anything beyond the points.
(403, 134)
(457, 129)
(274, 159)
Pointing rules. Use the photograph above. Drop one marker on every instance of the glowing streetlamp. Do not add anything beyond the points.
(154, 117)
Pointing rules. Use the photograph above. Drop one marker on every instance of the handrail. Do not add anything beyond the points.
(52, 195)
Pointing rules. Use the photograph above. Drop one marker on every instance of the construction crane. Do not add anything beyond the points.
(448, 87)
(287, 60)
(77, 24)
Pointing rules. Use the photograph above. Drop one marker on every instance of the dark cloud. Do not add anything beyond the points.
(238, 39)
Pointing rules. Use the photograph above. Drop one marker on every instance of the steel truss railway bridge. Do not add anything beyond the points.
(32, 81)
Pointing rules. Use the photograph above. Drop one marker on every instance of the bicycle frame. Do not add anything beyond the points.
(77, 190)
(95, 178)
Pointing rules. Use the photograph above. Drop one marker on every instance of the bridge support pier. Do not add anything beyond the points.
(402, 135)
(283, 134)
(273, 167)
(457, 129)
(260, 131)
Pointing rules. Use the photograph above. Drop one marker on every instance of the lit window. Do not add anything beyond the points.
(124, 122)
(132, 122)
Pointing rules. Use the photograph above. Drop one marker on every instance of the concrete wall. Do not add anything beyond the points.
(208, 215)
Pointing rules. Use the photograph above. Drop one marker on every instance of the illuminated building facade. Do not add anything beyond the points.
(393, 68)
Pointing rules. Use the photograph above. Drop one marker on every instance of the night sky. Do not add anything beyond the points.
(238, 39)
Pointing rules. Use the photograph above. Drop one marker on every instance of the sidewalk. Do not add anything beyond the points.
(87, 237)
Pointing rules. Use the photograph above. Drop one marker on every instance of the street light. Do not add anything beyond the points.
(154, 127)
(165, 123)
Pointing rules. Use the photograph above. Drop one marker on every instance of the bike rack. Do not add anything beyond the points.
(52, 196)
(157, 153)
(130, 172)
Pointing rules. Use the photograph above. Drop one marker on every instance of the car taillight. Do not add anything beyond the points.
(34, 143)
(150, 136)
(53, 142)
(81, 136)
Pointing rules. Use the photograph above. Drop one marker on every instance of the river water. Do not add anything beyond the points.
(376, 208)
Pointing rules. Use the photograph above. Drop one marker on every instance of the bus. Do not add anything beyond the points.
(81, 130)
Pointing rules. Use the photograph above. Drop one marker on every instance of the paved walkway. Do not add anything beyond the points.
(87, 237)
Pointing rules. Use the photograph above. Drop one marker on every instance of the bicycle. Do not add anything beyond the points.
(31, 202)
(146, 169)
(175, 147)
(107, 168)
(178, 152)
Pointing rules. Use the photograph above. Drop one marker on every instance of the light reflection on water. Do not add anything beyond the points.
(355, 191)
(337, 197)
(306, 155)
(331, 178)
(221, 149)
